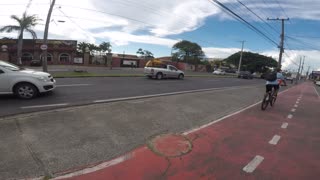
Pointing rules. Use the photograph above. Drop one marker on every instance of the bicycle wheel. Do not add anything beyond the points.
(273, 98)
(265, 102)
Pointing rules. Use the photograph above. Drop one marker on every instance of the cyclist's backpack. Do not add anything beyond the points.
(271, 76)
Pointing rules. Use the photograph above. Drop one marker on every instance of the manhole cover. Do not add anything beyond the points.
(170, 145)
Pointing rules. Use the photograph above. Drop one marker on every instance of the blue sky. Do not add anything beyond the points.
(156, 25)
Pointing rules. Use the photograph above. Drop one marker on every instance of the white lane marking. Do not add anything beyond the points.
(297, 102)
(295, 105)
(293, 110)
(43, 106)
(284, 125)
(73, 85)
(290, 116)
(172, 93)
(275, 140)
(253, 164)
(316, 91)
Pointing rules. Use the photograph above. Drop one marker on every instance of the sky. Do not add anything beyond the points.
(156, 25)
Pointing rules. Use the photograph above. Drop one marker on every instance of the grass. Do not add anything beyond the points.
(86, 74)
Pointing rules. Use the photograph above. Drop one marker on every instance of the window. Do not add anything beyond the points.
(64, 57)
(172, 68)
(49, 57)
(27, 57)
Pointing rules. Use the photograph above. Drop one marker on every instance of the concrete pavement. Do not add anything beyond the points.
(279, 143)
(49, 143)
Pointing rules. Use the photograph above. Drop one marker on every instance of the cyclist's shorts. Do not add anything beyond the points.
(270, 86)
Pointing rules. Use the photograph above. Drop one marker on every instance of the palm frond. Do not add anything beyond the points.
(33, 33)
(17, 19)
(10, 28)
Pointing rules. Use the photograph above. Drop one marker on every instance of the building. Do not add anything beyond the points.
(59, 51)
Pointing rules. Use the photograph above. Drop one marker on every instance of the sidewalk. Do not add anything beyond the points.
(279, 143)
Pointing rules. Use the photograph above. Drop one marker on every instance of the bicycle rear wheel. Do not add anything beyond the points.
(265, 102)
(274, 98)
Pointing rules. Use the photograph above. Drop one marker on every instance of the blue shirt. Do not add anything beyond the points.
(276, 82)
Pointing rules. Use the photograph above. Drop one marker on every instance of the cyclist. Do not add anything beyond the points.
(273, 80)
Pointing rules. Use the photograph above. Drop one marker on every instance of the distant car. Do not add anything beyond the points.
(245, 75)
(219, 72)
(318, 82)
(24, 83)
(36, 63)
(230, 71)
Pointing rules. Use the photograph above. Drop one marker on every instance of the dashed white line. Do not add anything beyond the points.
(253, 164)
(316, 91)
(275, 140)
(43, 106)
(284, 125)
(73, 85)
(296, 105)
(290, 116)
(293, 110)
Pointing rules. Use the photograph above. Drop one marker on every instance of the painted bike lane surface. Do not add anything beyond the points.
(282, 142)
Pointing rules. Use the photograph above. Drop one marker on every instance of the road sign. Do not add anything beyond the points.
(43, 47)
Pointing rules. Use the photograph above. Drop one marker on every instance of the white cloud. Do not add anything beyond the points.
(219, 52)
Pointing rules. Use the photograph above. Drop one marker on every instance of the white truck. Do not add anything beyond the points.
(163, 71)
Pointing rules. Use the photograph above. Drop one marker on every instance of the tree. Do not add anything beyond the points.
(188, 52)
(105, 46)
(25, 23)
(145, 54)
(253, 62)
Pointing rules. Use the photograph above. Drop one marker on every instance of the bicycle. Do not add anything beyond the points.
(269, 98)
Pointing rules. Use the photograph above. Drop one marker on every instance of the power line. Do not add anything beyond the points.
(259, 17)
(283, 10)
(243, 20)
(303, 43)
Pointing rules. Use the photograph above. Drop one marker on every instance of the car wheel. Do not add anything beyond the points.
(181, 76)
(159, 76)
(25, 91)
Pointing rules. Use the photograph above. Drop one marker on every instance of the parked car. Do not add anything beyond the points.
(245, 75)
(24, 83)
(219, 72)
(35, 63)
(230, 71)
(318, 82)
(163, 71)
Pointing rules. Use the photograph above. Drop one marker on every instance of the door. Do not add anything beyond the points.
(4, 82)
(173, 72)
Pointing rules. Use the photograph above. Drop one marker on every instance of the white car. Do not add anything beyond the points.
(219, 72)
(318, 83)
(24, 83)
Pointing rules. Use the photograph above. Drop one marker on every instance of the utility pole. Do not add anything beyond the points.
(302, 64)
(307, 74)
(44, 46)
(281, 40)
(298, 73)
(240, 61)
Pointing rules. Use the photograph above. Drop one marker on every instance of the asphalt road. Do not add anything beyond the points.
(79, 91)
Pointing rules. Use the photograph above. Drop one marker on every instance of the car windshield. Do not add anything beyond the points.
(9, 66)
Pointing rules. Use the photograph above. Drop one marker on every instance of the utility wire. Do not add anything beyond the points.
(283, 11)
(275, 30)
(246, 22)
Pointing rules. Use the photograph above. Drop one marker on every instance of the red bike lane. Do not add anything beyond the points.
(282, 142)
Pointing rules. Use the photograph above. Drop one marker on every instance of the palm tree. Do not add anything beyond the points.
(26, 23)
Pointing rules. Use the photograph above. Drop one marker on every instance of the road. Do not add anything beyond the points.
(80, 91)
